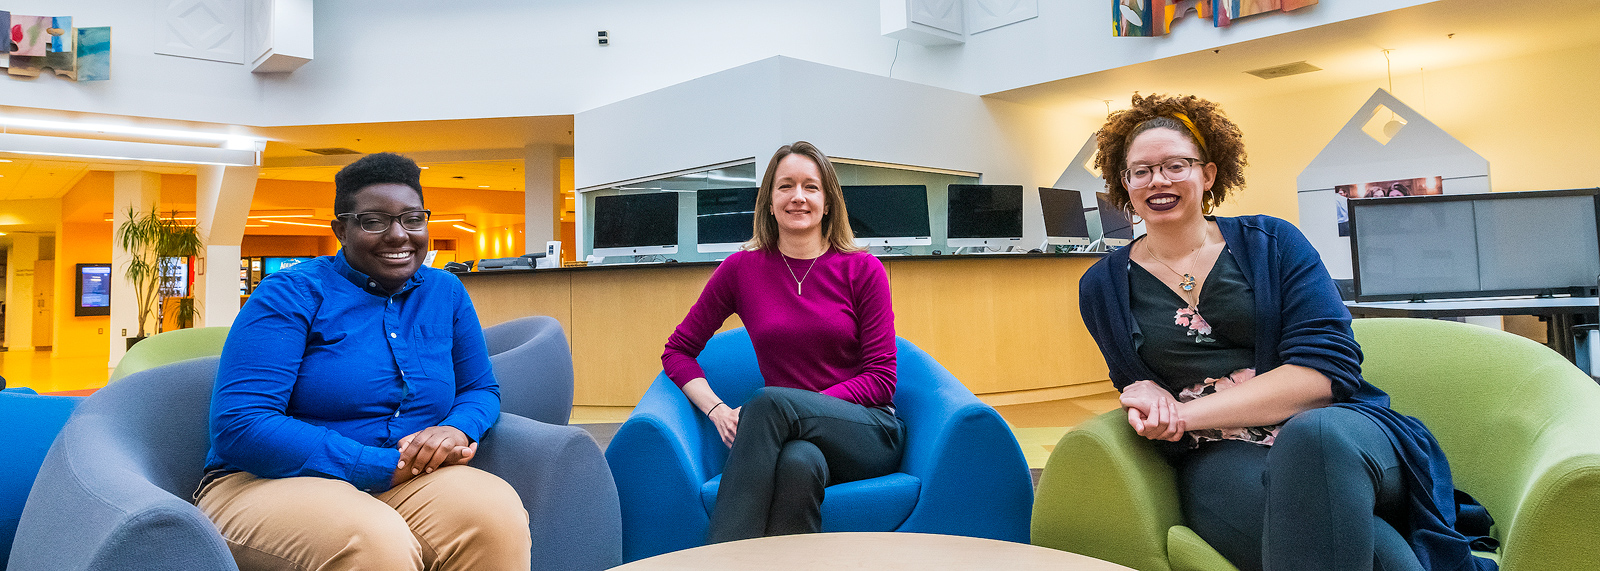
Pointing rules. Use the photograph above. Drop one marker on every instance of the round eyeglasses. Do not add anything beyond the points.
(1174, 170)
(379, 222)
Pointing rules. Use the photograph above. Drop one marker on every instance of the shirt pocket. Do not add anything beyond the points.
(435, 346)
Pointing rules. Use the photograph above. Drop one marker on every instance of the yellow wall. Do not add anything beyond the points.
(1532, 117)
(81, 243)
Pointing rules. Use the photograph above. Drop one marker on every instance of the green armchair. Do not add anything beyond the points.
(171, 347)
(1518, 422)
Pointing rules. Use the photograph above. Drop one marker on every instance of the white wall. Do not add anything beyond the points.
(394, 60)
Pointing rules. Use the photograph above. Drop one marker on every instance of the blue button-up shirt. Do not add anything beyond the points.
(324, 372)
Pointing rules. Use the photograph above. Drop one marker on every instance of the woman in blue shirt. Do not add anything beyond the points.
(1232, 349)
(349, 400)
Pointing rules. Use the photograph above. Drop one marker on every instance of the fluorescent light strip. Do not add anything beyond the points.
(47, 125)
(125, 150)
(465, 228)
(295, 223)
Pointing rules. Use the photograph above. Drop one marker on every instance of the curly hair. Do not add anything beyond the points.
(376, 168)
(1224, 143)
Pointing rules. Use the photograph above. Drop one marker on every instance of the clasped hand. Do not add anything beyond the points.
(726, 420)
(424, 451)
(1152, 411)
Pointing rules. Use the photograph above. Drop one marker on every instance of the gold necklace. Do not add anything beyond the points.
(802, 278)
(1187, 283)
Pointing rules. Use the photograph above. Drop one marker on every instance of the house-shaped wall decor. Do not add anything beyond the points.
(1386, 145)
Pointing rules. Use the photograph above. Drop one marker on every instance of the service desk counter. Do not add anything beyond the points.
(1007, 325)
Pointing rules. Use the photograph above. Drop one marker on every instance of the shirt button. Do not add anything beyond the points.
(392, 336)
(372, 283)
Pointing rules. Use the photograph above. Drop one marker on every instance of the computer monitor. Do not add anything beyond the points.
(93, 290)
(984, 215)
(636, 224)
(1115, 227)
(724, 219)
(272, 264)
(889, 214)
(1475, 245)
(1064, 220)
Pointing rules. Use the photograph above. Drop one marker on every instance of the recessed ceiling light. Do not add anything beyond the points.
(423, 168)
(483, 186)
(5, 160)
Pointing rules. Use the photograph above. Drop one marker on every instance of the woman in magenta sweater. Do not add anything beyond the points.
(818, 312)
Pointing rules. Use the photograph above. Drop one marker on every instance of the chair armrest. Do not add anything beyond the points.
(975, 480)
(658, 461)
(1107, 493)
(1554, 526)
(92, 507)
(573, 514)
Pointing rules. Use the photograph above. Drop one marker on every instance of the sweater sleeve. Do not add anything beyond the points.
(717, 301)
(1097, 303)
(260, 363)
(1316, 324)
(874, 309)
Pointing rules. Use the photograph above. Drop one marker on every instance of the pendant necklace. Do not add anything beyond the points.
(802, 278)
(1187, 283)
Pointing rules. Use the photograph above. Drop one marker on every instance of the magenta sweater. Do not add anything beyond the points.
(837, 338)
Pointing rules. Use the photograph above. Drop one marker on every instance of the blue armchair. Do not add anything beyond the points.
(533, 363)
(114, 490)
(31, 424)
(962, 474)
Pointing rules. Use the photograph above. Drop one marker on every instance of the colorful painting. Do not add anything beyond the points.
(5, 24)
(1146, 18)
(1244, 8)
(28, 35)
(65, 64)
(61, 36)
(25, 66)
(94, 54)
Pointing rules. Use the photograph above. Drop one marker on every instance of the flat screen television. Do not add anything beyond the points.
(724, 218)
(636, 224)
(984, 215)
(92, 292)
(1475, 245)
(272, 264)
(889, 214)
(1115, 228)
(175, 276)
(1064, 220)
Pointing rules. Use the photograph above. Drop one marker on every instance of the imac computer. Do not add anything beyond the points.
(725, 219)
(889, 214)
(1064, 222)
(636, 224)
(984, 215)
(1116, 228)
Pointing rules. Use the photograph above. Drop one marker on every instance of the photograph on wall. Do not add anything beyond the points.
(1380, 189)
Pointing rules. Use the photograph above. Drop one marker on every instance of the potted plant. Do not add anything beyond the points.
(149, 239)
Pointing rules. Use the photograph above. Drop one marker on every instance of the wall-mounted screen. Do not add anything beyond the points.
(724, 218)
(1064, 220)
(272, 264)
(984, 215)
(636, 224)
(175, 276)
(93, 290)
(1475, 245)
(1116, 229)
(889, 214)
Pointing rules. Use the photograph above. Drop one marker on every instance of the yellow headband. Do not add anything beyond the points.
(1192, 130)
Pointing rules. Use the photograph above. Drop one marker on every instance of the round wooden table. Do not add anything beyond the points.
(874, 551)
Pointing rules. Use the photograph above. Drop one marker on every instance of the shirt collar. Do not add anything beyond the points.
(365, 282)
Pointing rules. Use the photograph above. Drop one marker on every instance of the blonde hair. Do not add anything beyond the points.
(836, 230)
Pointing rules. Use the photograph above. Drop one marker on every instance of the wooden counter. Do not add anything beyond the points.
(1007, 325)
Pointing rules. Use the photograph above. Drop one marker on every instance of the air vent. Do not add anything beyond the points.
(1284, 70)
(333, 151)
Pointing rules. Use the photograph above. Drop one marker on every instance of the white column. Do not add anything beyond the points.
(20, 260)
(542, 179)
(222, 205)
(139, 191)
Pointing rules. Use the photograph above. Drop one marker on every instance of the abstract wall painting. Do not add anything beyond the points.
(5, 24)
(60, 34)
(28, 35)
(94, 54)
(1148, 18)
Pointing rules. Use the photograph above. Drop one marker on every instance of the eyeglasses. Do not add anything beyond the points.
(379, 222)
(1174, 170)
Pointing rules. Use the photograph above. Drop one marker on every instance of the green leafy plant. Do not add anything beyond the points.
(149, 238)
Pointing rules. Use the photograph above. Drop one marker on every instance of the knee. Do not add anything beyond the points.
(767, 401)
(483, 502)
(1333, 433)
(376, 540)
(802, 462)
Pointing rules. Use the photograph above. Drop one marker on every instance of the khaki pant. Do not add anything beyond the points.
(458, 517)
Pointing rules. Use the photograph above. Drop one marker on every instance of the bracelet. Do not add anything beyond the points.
(713, 407)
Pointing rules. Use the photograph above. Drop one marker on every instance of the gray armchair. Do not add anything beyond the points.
(534, 366)
(114, 490)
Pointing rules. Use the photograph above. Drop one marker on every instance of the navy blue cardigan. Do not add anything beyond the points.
(1300, 320)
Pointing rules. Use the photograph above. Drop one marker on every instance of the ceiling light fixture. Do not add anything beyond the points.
(465, 228)
(295, 223)
(127, 150)
(76, 127)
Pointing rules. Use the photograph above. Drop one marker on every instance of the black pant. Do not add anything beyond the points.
(1322, 497)
(791, 444)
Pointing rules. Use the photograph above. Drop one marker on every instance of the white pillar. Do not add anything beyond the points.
(542, 179)
(222, 200)
(139, 191)
(20, 260)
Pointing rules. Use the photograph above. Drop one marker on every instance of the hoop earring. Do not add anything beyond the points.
(1209, 204)
(1134, 218)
